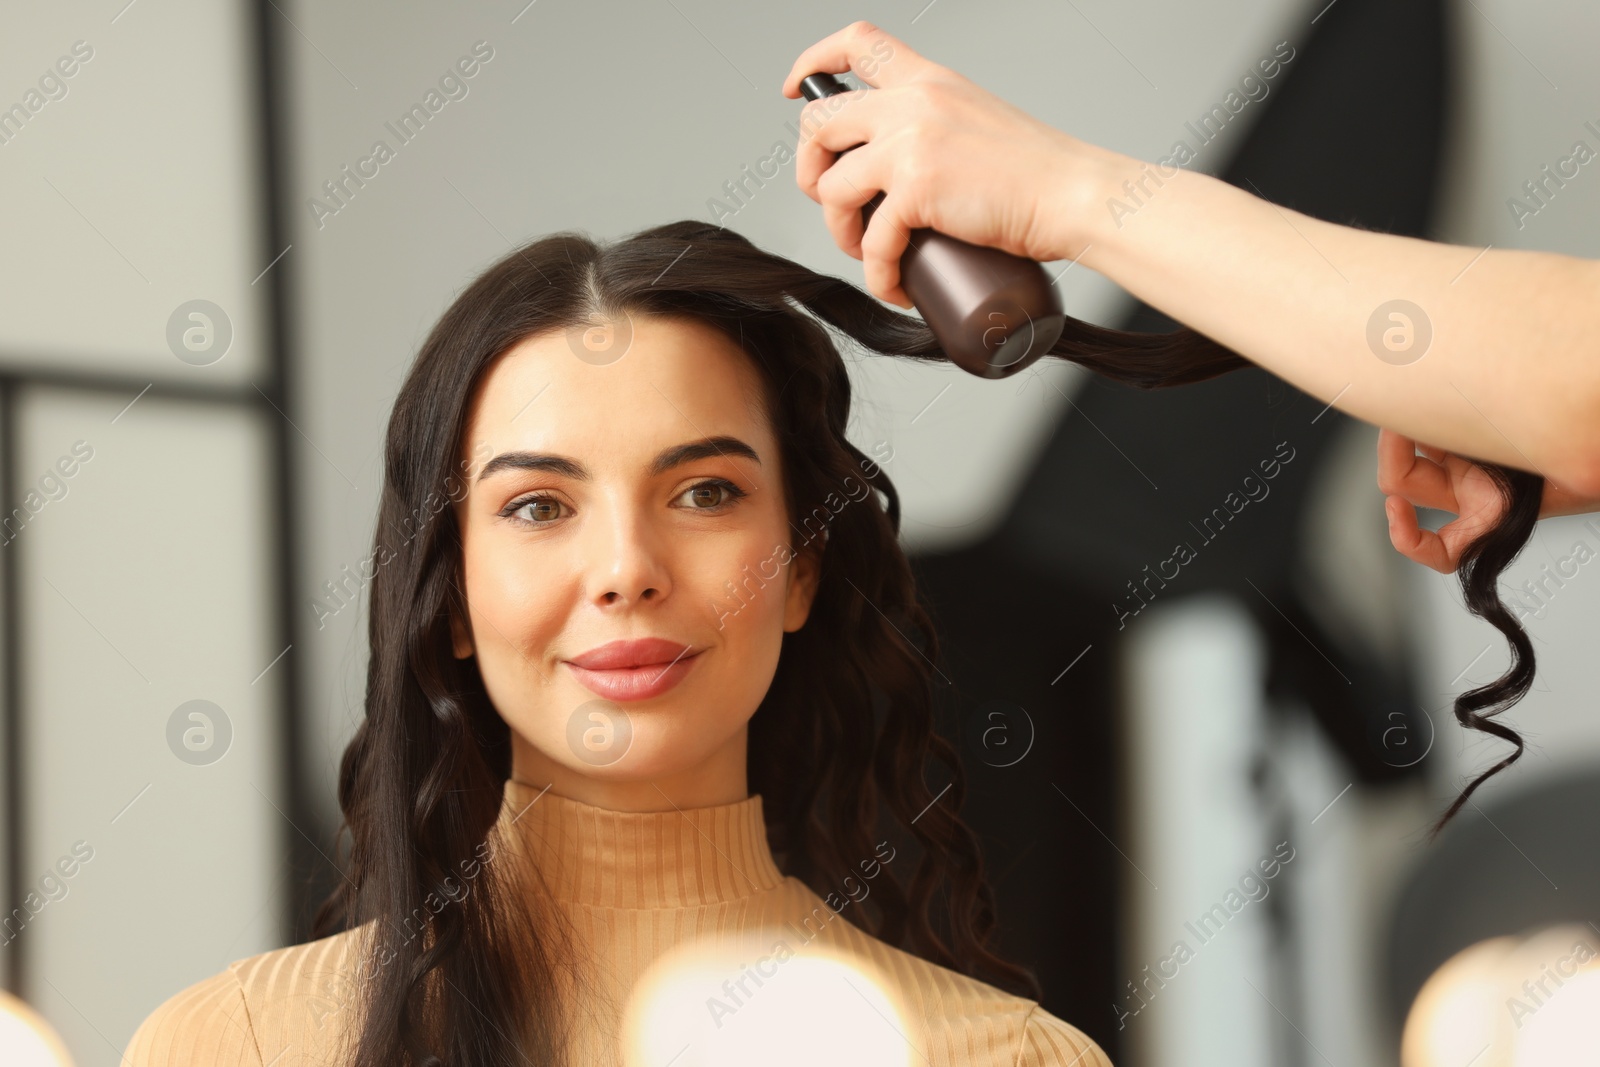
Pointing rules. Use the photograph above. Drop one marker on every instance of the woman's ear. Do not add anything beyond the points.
(805, 572)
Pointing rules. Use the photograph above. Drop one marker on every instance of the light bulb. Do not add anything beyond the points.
(26, 1040)
(1528, 1001)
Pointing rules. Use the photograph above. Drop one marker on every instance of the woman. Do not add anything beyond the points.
(650, 700)
(649, 707)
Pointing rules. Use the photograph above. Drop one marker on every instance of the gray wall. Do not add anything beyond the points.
(142, 579)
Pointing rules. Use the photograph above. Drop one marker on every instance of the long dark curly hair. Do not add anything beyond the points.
(846, 732)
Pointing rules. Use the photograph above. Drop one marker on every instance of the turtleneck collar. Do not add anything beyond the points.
(679, 858)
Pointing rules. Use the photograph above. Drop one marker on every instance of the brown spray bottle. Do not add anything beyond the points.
(993, 313)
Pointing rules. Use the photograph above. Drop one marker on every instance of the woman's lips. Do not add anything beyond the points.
(634, 683)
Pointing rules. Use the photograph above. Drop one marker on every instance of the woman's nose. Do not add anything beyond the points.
(628, 557)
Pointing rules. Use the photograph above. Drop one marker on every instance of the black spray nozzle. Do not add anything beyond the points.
(816, 86)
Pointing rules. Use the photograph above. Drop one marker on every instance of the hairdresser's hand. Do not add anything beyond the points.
(949, 155)
(1447, 482)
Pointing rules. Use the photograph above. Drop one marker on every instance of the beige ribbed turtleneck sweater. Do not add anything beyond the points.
(706, 954)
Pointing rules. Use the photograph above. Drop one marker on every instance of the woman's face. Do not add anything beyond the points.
(627, 500)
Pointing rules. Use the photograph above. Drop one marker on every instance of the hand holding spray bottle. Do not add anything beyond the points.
(994, 313)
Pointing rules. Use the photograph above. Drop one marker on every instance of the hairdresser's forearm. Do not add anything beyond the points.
(1512, 374)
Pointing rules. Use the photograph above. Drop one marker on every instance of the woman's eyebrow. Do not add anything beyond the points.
(667, 459)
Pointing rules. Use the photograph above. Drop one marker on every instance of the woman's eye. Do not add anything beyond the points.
(538, 510)
(712, 495)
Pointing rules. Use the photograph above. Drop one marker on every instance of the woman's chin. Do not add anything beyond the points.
(639, 740)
